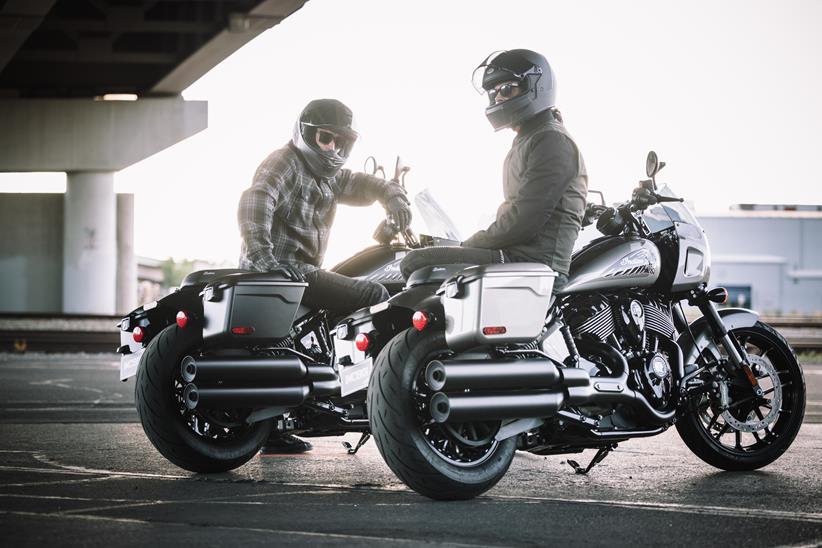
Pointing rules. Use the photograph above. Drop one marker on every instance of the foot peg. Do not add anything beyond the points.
(353, 450)
(599, 457)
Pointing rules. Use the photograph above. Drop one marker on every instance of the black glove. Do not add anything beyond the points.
(289, 271)
(399, 211)
(642, 197)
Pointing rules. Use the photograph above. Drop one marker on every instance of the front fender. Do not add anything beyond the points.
(733, 318)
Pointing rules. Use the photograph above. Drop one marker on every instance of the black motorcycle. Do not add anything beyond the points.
(495, 363)
(233, 355)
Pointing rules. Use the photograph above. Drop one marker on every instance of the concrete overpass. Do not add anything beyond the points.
(90, 87)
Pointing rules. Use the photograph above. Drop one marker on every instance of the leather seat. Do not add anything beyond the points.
(434, 274)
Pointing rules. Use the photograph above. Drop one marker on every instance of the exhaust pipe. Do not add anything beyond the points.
(490, 374)
(224, 398)
(242, 370)
(498, 406)
(465, 380)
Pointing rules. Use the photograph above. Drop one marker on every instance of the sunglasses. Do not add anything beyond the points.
(326, 138)
(505, 91)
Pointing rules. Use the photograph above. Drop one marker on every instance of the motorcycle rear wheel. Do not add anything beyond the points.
(750, 434)
(443, 462)
(199, 441)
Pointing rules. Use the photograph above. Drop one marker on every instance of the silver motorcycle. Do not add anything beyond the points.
(495, 362)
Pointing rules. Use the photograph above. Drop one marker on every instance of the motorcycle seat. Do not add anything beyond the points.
(434, 274)
(203, 277)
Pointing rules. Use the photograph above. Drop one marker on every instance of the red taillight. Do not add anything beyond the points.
(182, 319)
(138, 334)
(242, 330)
(362, 342)
(420, 320)
(500, 330)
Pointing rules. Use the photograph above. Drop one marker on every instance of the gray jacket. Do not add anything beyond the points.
(545, 187)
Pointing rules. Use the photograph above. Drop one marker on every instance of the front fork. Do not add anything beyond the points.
(738, 364)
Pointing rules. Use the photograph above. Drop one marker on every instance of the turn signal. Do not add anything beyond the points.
(182, 319)
(494, 330)
(420, 320)
(718, 295)
(362, 342)
(242, 330)
(138, 334)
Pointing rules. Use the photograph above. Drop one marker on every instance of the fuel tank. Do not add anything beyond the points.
(379, 263)
(613, 263)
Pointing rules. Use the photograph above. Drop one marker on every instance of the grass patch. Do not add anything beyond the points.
(809, 357)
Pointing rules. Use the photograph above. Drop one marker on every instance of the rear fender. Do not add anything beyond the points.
(733, 318)
(383, 321)
(155, 316)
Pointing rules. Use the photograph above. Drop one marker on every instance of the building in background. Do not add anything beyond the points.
(768, 256)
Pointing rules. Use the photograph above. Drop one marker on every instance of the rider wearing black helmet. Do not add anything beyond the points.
(285, 216)
(544, 178)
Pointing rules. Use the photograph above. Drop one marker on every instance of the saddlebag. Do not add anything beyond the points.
(250, 308)
(496, 304)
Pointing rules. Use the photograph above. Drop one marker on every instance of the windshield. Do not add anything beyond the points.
(662, 216)
(437, 221)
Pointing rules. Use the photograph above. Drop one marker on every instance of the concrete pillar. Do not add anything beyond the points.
(90, 244)
(126, 263)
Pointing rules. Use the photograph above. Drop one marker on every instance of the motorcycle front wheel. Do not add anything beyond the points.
(729, 428)
(204, 441)
(441, 461)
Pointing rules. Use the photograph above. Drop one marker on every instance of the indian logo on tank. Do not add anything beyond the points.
(637, 264)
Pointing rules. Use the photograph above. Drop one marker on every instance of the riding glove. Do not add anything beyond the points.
(289, 271)
(399, 210)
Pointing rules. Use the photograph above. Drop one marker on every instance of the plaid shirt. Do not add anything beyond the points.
(286, 214)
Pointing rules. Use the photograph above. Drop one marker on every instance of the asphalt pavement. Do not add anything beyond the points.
(76, 469)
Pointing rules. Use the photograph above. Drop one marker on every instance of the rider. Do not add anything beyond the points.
(285, 216)
(544, 178)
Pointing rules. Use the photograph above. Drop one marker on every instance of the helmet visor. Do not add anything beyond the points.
(492, 71)
(320, 136)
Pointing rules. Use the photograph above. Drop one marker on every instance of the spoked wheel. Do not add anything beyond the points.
(731, 429)
(201, 440)
(443, 461)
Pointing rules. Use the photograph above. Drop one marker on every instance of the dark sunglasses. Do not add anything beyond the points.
(326, 138)
(505, 90)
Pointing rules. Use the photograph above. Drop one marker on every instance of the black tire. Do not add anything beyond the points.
(403, 438)
(187, 438)
(703, 433)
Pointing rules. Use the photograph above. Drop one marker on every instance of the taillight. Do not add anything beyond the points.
(138, 334)
(362, 342)
(182, 319)
(499, 330)
(420, 320)
(242, 330)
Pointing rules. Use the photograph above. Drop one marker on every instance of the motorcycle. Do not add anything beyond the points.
(495, 362)
(233, 355)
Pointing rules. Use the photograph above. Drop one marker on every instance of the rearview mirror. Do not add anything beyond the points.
(652, 164)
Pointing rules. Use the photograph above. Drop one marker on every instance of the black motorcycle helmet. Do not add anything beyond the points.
(334, 116)
(533, 74)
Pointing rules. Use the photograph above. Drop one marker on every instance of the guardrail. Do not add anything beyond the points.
(75, 333)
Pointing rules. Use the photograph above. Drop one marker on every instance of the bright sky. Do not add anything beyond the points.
(728, 94)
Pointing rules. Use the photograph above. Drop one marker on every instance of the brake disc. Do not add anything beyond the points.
(752, 422)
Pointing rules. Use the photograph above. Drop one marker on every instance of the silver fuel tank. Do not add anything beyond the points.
(614, 263)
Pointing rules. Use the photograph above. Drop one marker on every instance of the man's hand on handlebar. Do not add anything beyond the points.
(399, 212)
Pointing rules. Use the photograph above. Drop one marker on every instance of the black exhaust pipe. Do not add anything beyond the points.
(453, 375)
(227, 398)
(212, 371)
(458, 408)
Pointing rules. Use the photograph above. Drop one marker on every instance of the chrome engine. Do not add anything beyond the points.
(635, 325)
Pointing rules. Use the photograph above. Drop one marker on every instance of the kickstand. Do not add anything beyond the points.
(601, 454)
(352, 450)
